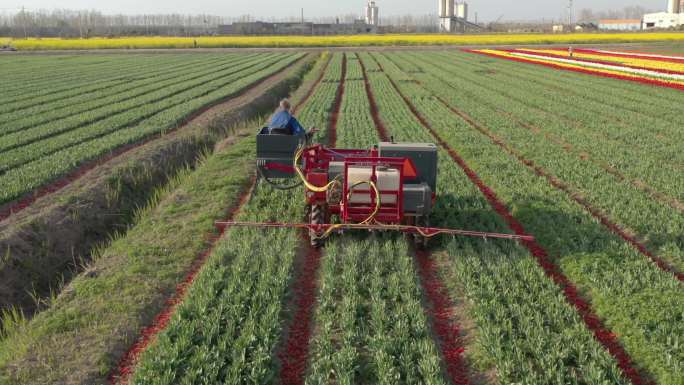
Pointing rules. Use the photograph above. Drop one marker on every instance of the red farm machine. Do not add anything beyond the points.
(389, 187)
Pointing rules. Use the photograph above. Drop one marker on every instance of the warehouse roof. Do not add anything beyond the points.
(620, 21)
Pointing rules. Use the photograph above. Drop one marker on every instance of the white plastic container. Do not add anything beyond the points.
(388, 179)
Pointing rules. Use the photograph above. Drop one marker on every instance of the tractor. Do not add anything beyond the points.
(387, 187)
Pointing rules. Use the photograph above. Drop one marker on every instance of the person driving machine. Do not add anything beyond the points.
(283, 123)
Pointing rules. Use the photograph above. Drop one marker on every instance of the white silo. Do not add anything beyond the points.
(372, 13)
(450, 8)
(446, 16)
(442, 8)
(673, 6)
(462, 11)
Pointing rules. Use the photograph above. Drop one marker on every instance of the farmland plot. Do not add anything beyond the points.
(605, 265)
(595, 299)
(36, 152)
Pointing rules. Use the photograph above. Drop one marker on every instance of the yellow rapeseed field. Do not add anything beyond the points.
(340, 40)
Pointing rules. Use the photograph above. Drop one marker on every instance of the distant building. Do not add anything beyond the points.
(453, 17)
(673, 18)
(372, 14)
(307, 28)
(663, 20)
(620, 24)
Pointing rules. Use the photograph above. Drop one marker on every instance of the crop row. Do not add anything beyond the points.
(78, 338)
(143, 267)
(633, 124)
(228, 330)
(511, 341)
(623, 198)
(643, 103)
(38, 172)
(370, 324)
(627, 291)
(56, 87)
(104, 106)
(52, 77)
(44, 70)
(32, 116)
(121, 116)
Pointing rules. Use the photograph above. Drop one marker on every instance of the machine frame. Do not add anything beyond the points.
(325, 172)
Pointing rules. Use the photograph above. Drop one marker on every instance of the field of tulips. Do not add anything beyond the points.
(65, 120)
(590, 166)
(661, 70)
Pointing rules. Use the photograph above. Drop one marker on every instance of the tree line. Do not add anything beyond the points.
(85, 24)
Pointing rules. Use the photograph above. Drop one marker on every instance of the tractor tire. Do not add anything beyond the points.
(316, 217)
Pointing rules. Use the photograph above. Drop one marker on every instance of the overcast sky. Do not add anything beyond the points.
(486, 9)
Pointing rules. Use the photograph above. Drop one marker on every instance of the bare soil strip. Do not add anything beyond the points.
(572, 295)
(294, 353)
(443, 319)
(439, 306)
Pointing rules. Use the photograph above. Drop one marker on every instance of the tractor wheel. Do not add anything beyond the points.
(316, 217)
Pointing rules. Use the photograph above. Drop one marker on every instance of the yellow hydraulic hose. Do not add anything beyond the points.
(377, 201)
(308, 185)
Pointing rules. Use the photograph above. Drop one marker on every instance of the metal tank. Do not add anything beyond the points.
(372, 13)
(673, 6)
(462, 11)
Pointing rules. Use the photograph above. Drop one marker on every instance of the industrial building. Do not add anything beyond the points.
(372, 14)
(619, 24)
(673, 18)
(453, 17)
(369, 24)
(294, 28)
